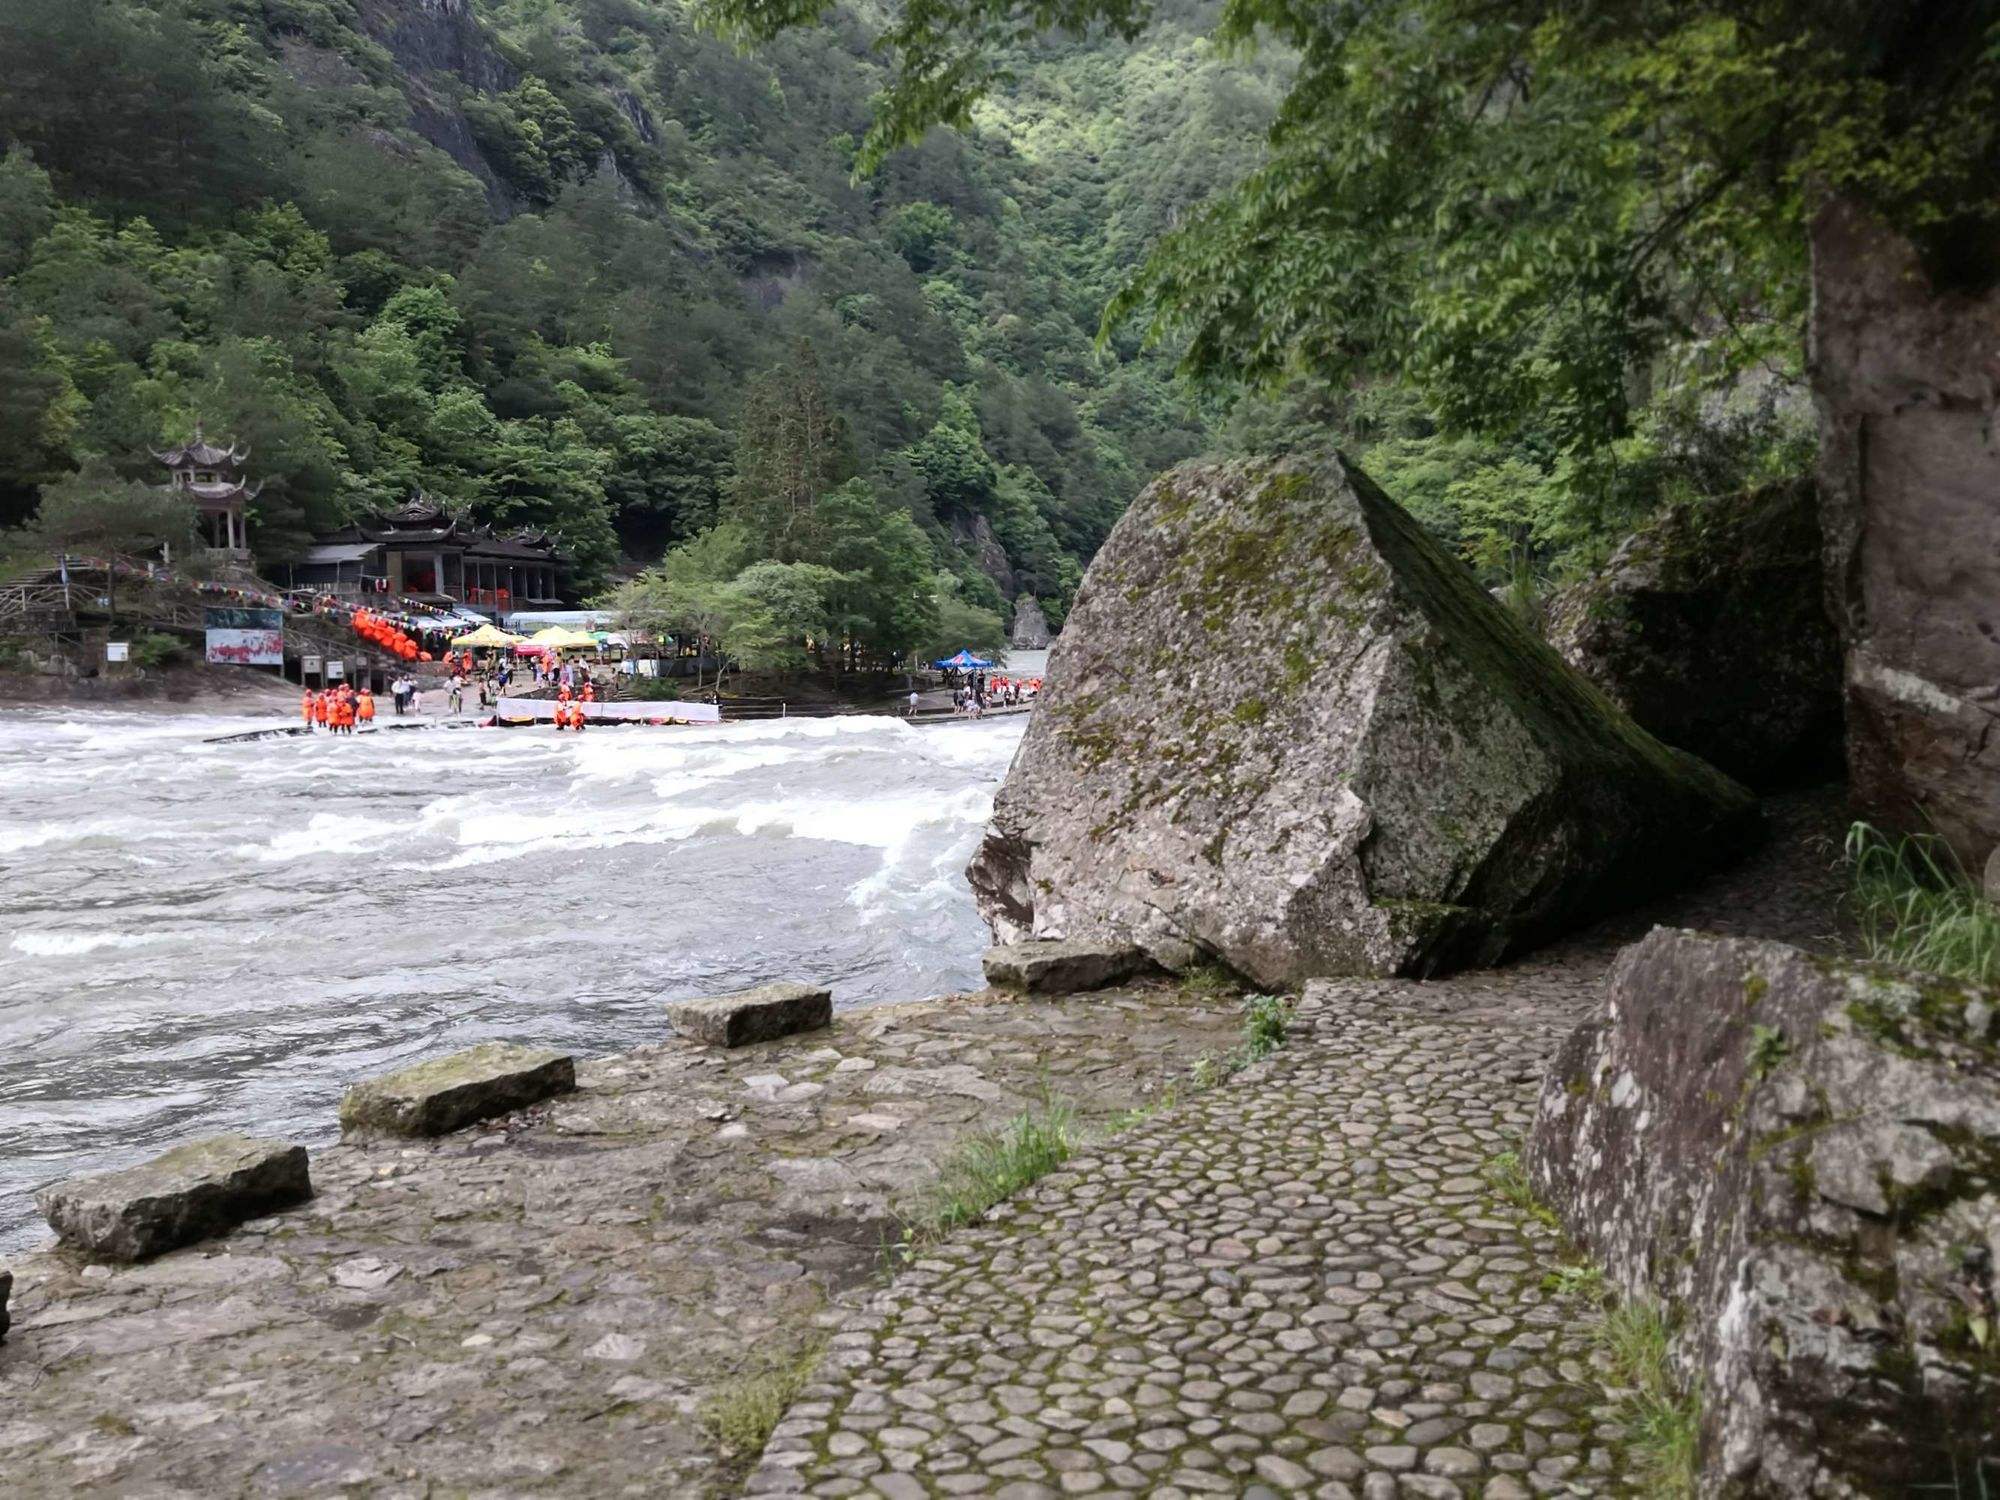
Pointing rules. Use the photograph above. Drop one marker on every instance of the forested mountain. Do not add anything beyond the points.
(576, 265)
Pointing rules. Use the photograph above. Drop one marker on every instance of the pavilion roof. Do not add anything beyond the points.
(223, 493)
(197, 452)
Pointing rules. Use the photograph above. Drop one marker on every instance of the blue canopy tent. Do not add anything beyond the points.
(965, 661)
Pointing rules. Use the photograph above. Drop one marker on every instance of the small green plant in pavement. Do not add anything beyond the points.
(1917, 907)
(740, 1414)
(993, 1165)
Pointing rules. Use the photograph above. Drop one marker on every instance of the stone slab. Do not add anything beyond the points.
(203, 1188)
(1051, 967)
(446, 1093)
(760, 1015)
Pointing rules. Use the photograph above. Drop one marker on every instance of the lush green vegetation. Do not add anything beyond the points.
(908, 283)
(565, 263)
(1547, 263)
(1917, 907)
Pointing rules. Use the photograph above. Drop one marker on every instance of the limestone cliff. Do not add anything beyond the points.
(1907, 375)
(1285, 729)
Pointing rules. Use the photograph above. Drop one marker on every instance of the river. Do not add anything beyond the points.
(198, 936)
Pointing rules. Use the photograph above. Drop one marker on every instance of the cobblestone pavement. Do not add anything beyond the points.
(1298, 1283)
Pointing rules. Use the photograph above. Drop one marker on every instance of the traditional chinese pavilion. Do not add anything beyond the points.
(212, 478)
(421, 551)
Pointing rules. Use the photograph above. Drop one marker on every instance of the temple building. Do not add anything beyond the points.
(212, 479)
(420, 551)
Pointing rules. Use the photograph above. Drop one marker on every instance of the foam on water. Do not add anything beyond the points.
(62, 944)
(222, 936)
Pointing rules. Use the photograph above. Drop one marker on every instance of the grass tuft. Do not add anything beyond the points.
(1768, 1049)
(1918, 908)
(1267, 1020)
(1664, 1421)
(740, 1414)
(1508, 1177)
(1208, 981)
(992, 1165)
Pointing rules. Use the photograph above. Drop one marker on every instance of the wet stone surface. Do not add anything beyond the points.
(1298, 1283)
(540, 1305)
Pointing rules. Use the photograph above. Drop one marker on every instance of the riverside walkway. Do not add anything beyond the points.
(1303, 1282)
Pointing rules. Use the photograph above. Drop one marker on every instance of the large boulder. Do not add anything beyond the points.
(1285, 729)
(1905, 369)
(1802, 1158)
(1709, 627)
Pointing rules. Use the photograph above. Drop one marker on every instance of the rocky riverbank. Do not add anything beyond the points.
(546, 1304)
(549, 1304)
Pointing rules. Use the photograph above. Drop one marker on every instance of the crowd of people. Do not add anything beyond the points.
(337, 710)
(980, 692)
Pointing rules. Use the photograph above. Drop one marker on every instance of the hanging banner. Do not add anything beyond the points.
(246, 637)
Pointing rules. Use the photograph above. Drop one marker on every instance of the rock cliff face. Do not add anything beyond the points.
(1907, 375)
(1031, 626)
(1802, 1157)
(1285, 729)
(1709, 627)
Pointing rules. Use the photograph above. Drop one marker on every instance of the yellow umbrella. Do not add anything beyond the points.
(562, 638)
(488, 635)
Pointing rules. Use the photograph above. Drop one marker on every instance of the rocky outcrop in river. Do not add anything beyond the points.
(1801, 1156)
(1286, 730)
(1031, 626)
(1709, 627)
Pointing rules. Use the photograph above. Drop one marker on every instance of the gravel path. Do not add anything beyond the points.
(1299, 1283)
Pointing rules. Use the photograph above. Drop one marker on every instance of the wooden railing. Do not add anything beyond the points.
(25, 606)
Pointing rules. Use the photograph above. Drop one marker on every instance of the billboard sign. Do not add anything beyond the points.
(246, 637)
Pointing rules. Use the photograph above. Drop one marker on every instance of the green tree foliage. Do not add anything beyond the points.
(1560, 224)
(576, 265)
(95, 513)
(792, 449)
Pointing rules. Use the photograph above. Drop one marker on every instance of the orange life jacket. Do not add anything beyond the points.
(319, 708)
(365, 707)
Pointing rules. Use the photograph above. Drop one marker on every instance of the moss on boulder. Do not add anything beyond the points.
(1284, 728)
